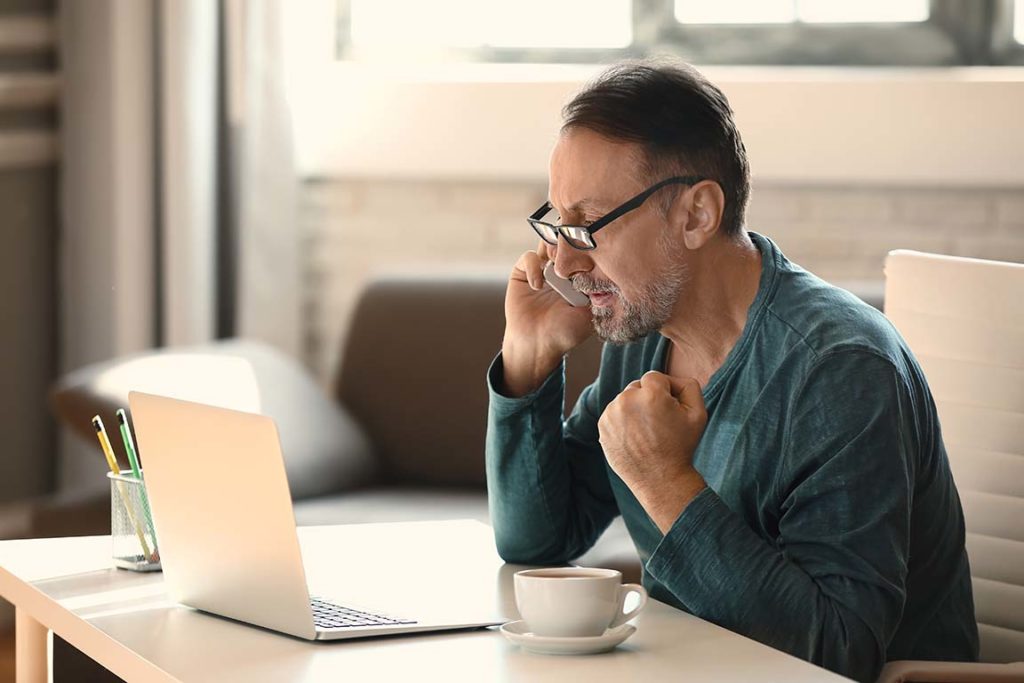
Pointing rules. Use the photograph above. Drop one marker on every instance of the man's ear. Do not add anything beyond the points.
(698, 212)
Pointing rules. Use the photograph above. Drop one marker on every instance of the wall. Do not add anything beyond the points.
(28, 231)
(354, 227)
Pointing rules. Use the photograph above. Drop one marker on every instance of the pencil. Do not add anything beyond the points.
(108, 451)
(133, 460)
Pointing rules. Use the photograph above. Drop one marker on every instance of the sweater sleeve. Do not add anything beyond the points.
(547, 485)
(830, 587)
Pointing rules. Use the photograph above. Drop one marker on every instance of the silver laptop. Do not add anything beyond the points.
(228, 545)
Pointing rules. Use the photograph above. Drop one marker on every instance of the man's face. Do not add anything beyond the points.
(637, 272)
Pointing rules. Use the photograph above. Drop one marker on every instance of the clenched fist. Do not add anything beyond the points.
(649, 433)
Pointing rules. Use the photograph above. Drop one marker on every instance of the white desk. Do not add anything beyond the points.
(124, 621)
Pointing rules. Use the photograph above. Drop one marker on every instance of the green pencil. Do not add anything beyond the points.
(129, 443)
(133, 460)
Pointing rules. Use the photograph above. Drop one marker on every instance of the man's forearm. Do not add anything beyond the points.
(521, 490)
(724, 572)
(544, 509)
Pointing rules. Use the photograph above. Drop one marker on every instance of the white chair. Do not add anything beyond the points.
(964, 321)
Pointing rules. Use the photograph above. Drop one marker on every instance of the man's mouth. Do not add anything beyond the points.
(601, 298)
(592, 288)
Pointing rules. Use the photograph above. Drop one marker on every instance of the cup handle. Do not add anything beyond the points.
(624, 590)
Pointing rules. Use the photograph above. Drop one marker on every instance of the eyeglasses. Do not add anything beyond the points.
(582, 236)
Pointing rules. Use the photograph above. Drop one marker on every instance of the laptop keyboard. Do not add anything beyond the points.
(329, 615)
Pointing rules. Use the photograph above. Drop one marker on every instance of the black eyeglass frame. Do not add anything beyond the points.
(575, 241)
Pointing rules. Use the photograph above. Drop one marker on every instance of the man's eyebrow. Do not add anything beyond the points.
(583, 204)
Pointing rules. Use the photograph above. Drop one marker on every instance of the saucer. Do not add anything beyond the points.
(578, 645)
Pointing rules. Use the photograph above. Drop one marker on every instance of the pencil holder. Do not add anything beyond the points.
(132, 534)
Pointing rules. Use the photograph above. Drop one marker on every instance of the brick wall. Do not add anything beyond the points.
(353, 228)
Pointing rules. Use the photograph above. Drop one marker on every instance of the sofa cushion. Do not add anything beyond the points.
(392, 504)
(324, 449)
(614, 549)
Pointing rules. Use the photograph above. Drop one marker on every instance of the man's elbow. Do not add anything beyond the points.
(864, 668)
(854, 652)
(515, 549)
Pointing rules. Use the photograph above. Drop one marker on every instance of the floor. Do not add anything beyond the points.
(73, 666)
(7, 656)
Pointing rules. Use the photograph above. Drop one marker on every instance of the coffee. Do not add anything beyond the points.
(566, 575)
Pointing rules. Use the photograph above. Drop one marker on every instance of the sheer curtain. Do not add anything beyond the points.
(268, 268)
(177, 188)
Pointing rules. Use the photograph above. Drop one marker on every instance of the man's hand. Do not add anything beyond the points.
(649, 433)
(540, 327)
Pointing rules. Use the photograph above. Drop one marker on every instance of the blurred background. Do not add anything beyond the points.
(176, 172)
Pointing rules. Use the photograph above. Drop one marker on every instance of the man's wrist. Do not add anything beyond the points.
(665, 504)
(524, 373)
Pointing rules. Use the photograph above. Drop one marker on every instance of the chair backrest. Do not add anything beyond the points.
(964, 321)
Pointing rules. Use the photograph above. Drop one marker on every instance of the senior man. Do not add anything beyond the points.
(769, 440)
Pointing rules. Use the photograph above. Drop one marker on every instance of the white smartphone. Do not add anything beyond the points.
(564, 287)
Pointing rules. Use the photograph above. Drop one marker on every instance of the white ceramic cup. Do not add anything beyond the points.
(574, 601)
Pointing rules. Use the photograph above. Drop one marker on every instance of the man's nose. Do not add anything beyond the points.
(570, 261)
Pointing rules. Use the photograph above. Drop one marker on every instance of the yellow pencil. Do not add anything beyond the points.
(108, 451)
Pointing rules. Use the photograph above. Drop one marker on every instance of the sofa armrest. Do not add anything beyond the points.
(63, 514)
(85, 514)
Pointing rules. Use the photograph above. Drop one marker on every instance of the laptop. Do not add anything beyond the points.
(223, 514)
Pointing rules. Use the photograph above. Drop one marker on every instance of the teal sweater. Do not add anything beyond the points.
(830, 528)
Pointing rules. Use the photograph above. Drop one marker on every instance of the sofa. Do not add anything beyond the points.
(397, 437)
(400, 433)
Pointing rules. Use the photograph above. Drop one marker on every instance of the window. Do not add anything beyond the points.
(810, 32)
(489, 23)
(1007, 32)
(1018, 21)
(867, 32)
(811, 11)
(483, 30)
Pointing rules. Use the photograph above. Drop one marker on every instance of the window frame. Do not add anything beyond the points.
(957, 33)
(345, 51)
(1005, 48)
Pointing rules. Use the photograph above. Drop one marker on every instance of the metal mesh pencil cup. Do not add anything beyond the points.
(133, 538)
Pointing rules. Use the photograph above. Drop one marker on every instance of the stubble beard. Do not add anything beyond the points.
(635, 319)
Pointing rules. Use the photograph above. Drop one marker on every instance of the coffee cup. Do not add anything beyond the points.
(574, 601)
